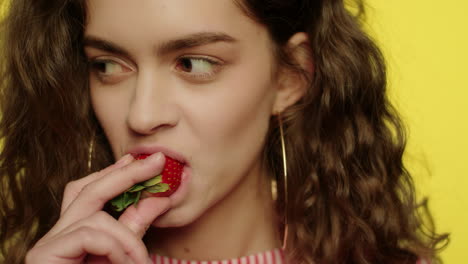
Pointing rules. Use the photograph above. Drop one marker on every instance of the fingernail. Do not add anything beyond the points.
(157, 156)
(124, 160)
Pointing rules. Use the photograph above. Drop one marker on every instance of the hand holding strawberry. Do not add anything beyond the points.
(162, 185)
(84, 230)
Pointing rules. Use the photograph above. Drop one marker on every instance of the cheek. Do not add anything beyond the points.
(231, 122)
(110, 107)
(241, 107)
(230, 126)
(240, 114)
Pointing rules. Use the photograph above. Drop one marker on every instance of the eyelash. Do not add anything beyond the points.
(215, 63)
(95, 66)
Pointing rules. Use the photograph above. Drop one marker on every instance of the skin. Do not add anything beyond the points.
(210, 101)
(84, 229)
(150, 99)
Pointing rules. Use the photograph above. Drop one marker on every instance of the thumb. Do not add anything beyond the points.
(139, 218)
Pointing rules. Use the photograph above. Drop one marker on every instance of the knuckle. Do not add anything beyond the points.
(100, 173)
(91, 190)
(31, 255)
(88, 188)
(103, 217)
(132, 170)
(132, 219)
(36, 253)
(86, 233)
(72, 187)
(90, 236)
(125, 169)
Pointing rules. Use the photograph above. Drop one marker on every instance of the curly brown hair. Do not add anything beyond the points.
(351, 200)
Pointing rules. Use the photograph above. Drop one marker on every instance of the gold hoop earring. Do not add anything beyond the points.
(285, 181)
(90, 154)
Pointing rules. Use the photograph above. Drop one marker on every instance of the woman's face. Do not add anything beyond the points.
(190, 78)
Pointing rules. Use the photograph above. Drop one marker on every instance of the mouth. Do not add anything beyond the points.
(176, 196)
(142, 152)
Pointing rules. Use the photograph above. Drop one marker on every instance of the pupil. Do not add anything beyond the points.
(100, 66)
(187, 64)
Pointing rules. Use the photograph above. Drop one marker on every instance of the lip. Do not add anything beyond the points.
(147, 149)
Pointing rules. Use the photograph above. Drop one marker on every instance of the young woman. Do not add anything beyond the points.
(220, 86)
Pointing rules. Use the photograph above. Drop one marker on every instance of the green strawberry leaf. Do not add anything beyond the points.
(124, 200)
(136, 188)
(130, 198)
(161, 187)
(117, 203)
(152, 181)
(133, 195)
(137, 199)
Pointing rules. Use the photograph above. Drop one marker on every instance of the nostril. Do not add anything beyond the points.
(148, 127)
(150, 112)
(144, 121)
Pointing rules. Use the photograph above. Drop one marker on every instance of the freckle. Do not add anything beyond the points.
(186, 250)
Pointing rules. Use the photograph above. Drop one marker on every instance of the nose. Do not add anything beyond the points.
(152, 106)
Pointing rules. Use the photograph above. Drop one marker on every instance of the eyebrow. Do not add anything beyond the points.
(97, 43)
(194, 40)
(185, 42)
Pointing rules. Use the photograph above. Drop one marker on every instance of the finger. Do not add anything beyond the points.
(74, 188)
(94, 195)
(102, 244)
(138, 219)
(100, 260)
(73, 247)
(102, 221)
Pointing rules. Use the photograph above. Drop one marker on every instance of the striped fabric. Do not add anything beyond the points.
(275, 256)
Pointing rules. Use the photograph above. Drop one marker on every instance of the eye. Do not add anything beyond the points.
(108, 67)
(109, 70)
(198, 68)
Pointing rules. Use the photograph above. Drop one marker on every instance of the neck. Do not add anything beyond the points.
(243, 223)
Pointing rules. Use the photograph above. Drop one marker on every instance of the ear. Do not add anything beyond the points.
(292, 84)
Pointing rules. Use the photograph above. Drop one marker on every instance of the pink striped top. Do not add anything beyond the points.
(275, 256)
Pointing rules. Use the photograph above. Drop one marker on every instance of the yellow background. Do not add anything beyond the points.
(426, 46)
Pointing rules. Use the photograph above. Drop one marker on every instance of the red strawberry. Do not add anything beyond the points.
(170, 178)
(162, 185)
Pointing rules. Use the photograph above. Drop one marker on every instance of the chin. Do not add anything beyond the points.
(177, 217)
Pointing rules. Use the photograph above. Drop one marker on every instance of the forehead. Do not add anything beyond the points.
(152, 20)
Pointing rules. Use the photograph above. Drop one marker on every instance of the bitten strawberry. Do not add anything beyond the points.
(162, 185)
(170, 176)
